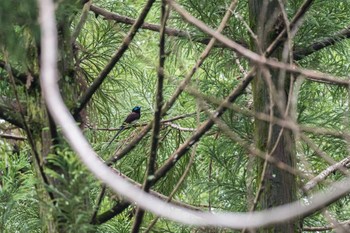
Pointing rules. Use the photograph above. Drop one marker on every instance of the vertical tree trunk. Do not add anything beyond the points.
(270, 95)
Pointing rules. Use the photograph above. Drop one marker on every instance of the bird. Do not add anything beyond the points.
(131, 118)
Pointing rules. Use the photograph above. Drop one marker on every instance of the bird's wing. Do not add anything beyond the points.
(133, 116)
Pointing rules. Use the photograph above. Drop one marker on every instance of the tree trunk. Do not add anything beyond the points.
(270, 96)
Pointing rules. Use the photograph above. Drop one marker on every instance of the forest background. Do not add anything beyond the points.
(244, 107)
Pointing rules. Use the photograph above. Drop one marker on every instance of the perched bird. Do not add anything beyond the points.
(132, 117)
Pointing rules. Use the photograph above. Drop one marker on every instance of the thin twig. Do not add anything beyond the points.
(165, 122)
(177, 186)
(202, 129)
(81, 22)
(247, 145)
(98, 204)
(175, 126)
(285, 123)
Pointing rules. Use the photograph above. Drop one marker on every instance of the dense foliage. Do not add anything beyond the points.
(221, 175)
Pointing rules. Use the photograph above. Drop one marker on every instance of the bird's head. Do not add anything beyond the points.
(136, 109)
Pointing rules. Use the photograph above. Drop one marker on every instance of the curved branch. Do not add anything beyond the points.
(76, 139)
(121, 206)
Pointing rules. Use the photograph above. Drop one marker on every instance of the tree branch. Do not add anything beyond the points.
(178, 184)
(156, 28)
(180, 128)
(325, 173)
(111, 213)
(202, 129)
(151, 166)
(121, 206)
(298, 54)
(256, 58)
(165, 122)
(115, 58)
(180, 88)
(13, 137)
(328, 41)
(294, 23)
(329, 227)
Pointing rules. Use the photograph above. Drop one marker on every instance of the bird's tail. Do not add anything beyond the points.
(116, 135)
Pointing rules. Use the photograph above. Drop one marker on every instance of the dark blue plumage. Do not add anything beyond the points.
(132, 117)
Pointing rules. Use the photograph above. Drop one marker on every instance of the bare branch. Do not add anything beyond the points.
(298, 54)
(122, 205)
(329, 227)
(177, 186)
(345, 163)
(13, 137)
(111, 213)
(175, 126)
(285, 123)
(328, 41)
